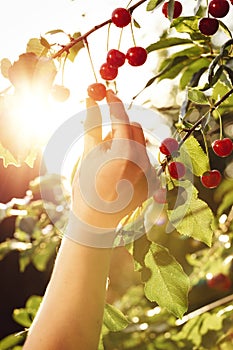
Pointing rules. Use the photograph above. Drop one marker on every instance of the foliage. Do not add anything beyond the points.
(202, 70)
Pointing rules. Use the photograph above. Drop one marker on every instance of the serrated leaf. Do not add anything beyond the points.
(114, 319)
(5, 65)
(152, 4)
(76, 48)
(193, 156)
(167, 285)
(193, 219)
(34, 45)
(197, 96)
(167, 43)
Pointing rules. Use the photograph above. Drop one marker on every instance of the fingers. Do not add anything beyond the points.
(92, 126)
(137, 132)
(120, 120)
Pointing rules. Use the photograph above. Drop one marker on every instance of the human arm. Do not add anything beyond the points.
(70, 316)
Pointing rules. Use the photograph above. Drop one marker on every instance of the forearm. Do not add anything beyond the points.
(71, 313)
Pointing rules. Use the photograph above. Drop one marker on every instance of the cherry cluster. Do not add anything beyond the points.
(217, 9)
(136, 56)
(177, 170)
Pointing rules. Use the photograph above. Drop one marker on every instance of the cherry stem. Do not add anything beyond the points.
(220, 125)
(89, 54)
(120, 38)
(132, 32)
(83, 37)
(108, 37)
(206, 146)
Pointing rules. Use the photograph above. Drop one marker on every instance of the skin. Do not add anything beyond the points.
(70, 316)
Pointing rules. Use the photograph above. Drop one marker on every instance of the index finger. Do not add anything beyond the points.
(119, 117)
(92, 126)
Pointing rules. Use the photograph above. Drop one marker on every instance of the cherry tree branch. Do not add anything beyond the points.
(212, 108)
(83, 37)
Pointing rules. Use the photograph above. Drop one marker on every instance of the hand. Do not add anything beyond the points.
(115, 175)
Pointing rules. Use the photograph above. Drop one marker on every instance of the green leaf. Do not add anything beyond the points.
(44, 42)
(193, 156)
(140, 249)
(8, 158)
(114, 319)
(192, 69)
(219, 90)
(32, 304)
(136, 24)
(191, 331)
(152, 4)
(225, 28)
(34, 45)
(55, 31)
(5, 65)
(170, 68)
(12, 340)
(197, 96)
(76, 48)
(167, 284)
(24, 260)
(42, 256)
(186, 24)
(31, 157)
(167, 43)
(193, 219)
(211, 322)
(22, 317)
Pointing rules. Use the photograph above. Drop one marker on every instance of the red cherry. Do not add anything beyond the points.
(136, 56)
(222, 148)
(160, 195)
(211, 179)
(177, 170)
(218, 8)
(121, 17)
(108, 72)
(115, 58)
(97, 91)
(177, 9)
(208, 26)
(220, 282)
(168, 146)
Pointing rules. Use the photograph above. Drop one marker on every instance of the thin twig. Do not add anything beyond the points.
(73, 42)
